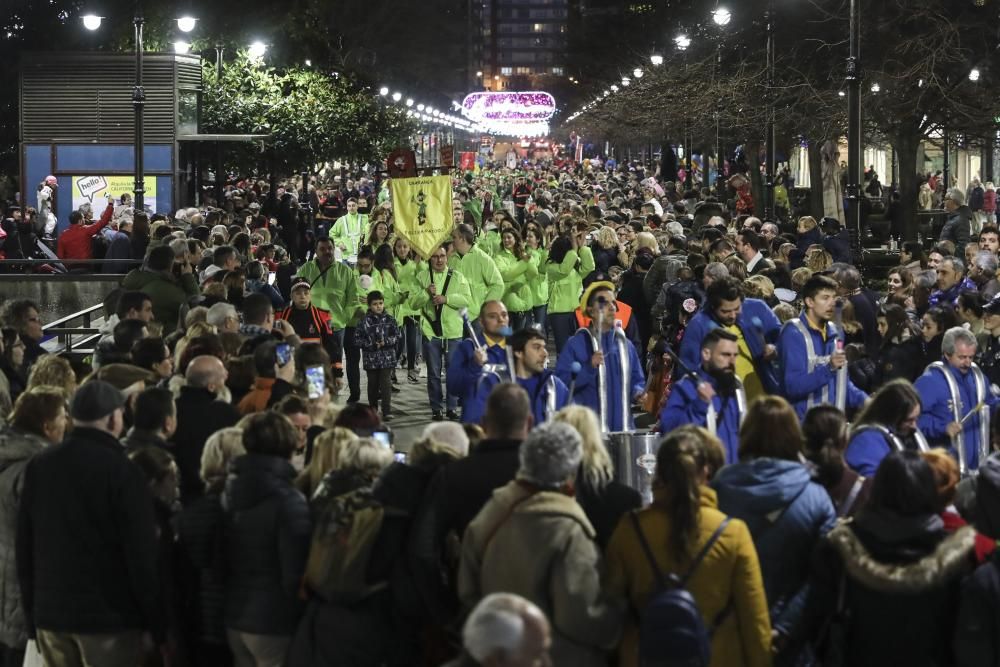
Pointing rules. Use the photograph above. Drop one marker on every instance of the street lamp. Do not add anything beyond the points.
(722, 16)
(182, 47)
(637, 72)
(91, 21)
(397, 96)
(186, 23)
(257, 50)
(626, 81)
(682, 42)
(656, 59)
(974, 75)
(383, 91)
(409, 101)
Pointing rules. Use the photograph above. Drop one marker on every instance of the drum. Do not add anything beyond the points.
(634, 458)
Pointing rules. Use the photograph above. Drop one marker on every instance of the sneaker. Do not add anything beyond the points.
(387, 417)
(453, 416)
(413, 377)
(396, 389)
(437, 416)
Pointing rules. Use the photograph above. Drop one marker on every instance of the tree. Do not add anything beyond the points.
(311, 117)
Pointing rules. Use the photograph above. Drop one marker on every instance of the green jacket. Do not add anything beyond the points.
(539, 287)
(350, 231)
(489, 242)
(407, 286)
(483, 277)
(335, 291)
(566, 280)
(475, 207)
(458, 295)
(516, 274)
(361, 305)
(167, 293)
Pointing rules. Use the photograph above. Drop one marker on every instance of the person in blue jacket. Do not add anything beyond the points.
(468, 359)
(957, 400)
(755, 326)
(623, 373)
(888, 423)
(773, 493)
(715, 384)
(548, 394)
(811, 353)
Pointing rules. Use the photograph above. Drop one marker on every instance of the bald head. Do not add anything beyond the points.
(494, 319)
(206, 372)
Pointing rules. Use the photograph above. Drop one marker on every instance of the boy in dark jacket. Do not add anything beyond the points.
(377, 334)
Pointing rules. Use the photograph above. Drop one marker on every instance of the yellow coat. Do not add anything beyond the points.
(730, 571)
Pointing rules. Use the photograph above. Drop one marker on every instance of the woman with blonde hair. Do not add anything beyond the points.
(605, 247)
(683, 532)
(603, 500)
(759, 287)
(53, 371)
(327, 453)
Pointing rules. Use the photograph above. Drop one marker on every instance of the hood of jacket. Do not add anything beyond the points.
(761, 485)
(951, 557)
(254, 479)
(17, 445)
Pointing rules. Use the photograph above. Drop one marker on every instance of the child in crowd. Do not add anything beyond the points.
(377, 334)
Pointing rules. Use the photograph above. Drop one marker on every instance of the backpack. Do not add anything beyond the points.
(344, 534)
(672, 632)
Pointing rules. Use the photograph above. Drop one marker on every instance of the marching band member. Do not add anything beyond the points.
(471, 356)
(713, 397)
(887, 423)
(610, 374)
(957, 401)
(812, 355)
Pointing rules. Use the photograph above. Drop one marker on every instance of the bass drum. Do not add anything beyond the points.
(634, 458)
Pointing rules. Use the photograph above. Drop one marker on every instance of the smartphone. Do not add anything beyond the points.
(399, 456)
(383, 437)
(315, 381)
(284, 353)
(271, 276)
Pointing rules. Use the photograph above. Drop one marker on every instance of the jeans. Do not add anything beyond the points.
(411, 340)
(436, 352)
(352, 363)
(380, 389)
(69, 649)
(538, 318)
(520, 320)
(563, 326)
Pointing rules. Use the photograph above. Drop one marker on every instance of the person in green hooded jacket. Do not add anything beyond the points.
(570, 259)
(534, 245)
(440, 295)
(477, 267)
(407, 267)
(517, 271)
(366, 279)
(334, 287)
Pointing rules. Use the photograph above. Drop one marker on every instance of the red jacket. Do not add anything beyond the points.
(74, 242)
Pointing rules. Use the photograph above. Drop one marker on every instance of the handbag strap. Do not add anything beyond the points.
(852, 497)
(661, 580)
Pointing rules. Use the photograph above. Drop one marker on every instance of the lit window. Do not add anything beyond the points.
(558, 71)
(538, 27)
(506, 71)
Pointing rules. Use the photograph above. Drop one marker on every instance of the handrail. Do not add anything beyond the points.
(84, 314)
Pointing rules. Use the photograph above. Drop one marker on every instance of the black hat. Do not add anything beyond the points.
(993, 307)
(95, 400)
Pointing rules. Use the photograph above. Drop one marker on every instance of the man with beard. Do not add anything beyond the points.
(712, 397)
(751, 321)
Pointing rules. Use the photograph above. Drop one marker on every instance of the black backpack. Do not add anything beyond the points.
(672, 632)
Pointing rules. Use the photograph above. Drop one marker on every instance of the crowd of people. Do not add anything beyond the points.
(209, 487)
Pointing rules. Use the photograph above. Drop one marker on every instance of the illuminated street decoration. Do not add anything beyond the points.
(511, 113)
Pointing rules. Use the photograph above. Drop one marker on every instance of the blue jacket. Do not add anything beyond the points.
(799, 385)
(578, 348)
(865, 452)
(538, 391)
(463, 372)
(685, 407)
(702, 323)
(936, 414)
(787, 514)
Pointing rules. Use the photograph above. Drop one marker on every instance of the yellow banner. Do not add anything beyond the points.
(421, 210)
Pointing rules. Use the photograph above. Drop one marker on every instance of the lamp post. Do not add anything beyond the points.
(769, 126)
(854, 130)
(138, 105)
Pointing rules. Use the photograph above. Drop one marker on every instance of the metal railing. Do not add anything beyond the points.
(64, 334)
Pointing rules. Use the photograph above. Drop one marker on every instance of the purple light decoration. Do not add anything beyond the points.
(509, 106)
